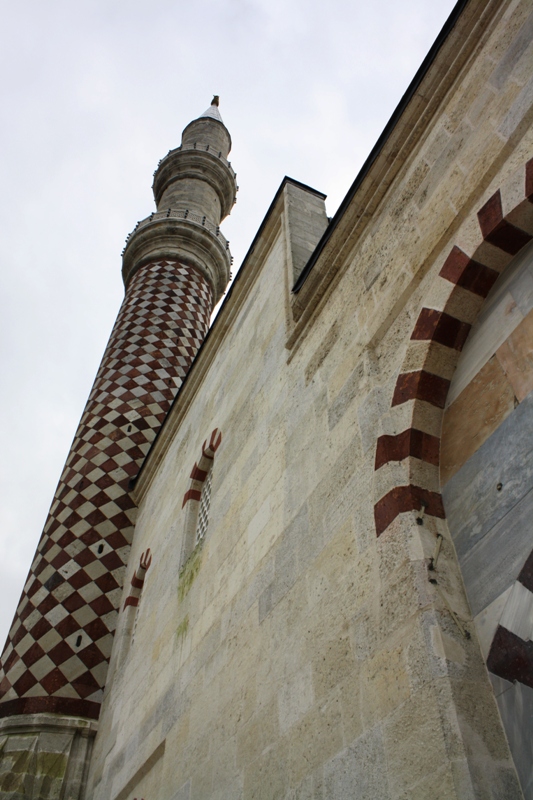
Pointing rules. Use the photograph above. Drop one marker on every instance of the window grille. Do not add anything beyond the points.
(203, 511)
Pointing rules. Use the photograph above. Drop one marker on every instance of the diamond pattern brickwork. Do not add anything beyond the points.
(57, 653)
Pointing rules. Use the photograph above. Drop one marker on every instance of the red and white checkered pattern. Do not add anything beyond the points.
(57, 653)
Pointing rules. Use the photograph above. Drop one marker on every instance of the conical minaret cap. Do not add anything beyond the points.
(212, 112)
(208, 129)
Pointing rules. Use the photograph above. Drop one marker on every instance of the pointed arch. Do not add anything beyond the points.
(407, 463)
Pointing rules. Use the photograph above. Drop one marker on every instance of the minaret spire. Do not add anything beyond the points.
(176, 266)
(213, 111)
(194, 189)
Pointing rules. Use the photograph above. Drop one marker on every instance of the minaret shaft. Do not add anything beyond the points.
(60, 643)
(175, 267)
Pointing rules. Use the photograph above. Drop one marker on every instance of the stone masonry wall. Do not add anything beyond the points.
(298, 654)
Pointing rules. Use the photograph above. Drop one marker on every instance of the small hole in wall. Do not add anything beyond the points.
(78, 641)
(499, 487)
(100, 549)
(129, 428)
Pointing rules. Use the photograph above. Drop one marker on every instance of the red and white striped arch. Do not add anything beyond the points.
(407, 463)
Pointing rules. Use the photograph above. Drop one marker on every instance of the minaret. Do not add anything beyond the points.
(176, 265)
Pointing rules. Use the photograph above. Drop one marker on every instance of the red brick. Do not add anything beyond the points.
(421, 385)
(406, 498)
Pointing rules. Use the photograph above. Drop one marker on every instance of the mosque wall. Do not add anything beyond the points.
(305, 647)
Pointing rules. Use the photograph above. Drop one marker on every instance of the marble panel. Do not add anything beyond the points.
(488, 620)
(516, 357)
(486, 336)
(522, 289)
(517, 615)
(515, 702)
(480, 408)
(492, 481)
(509, 301)
(493, 564)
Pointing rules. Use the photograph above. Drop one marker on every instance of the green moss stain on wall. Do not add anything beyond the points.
(182, 628)
(188, 573)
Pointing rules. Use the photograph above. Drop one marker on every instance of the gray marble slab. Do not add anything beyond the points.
(472, 500)
(516, 709)
(494, 562)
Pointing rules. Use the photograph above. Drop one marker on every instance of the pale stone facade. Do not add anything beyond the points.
(297, 654)
(317, 641)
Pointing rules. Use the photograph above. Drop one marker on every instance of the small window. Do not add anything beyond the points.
(203, 511)
(197, 498)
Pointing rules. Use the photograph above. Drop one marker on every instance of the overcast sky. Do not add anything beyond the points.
(93, 94)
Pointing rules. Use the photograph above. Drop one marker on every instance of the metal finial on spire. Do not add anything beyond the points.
(213, 111)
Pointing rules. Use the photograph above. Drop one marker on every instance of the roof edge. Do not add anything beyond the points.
(384, 137)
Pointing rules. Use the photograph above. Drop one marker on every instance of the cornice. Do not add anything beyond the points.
(182, 237)
(472, 23)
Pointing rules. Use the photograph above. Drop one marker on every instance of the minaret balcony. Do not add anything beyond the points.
(180, 234)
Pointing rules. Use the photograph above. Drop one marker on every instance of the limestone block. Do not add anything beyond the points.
(360, 770)
(372, 408)
(414, 743)
(322, 351)
(386, 684)
(267, 776)
(424, 417)
(477, 715)
(448, 647)
(43, 757)
(316, 737)
(439, 786)
(227, 779)
(461, 303)
(425, 654)
(349, 392)
(514, 118)
(332, 664)
(259, 733)
(490, 255)
(432, 357)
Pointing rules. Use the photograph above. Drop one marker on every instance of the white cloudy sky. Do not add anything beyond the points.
(93, 94)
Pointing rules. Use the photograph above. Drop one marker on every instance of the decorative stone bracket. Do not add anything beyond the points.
(202, 467)
(137, 581)
(194, 492)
